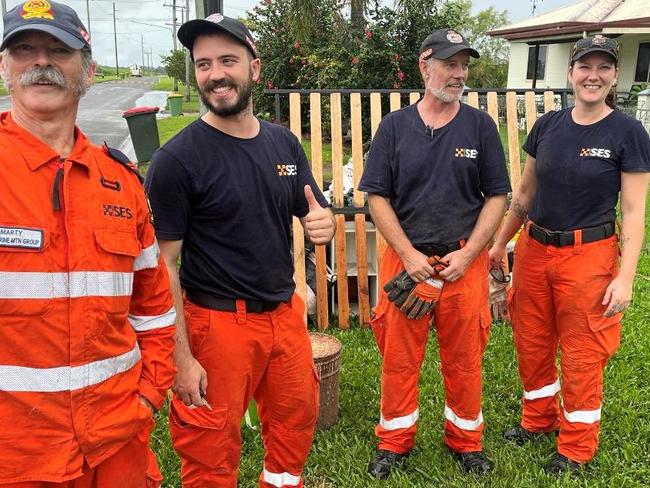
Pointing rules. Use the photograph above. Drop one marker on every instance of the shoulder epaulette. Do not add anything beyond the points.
(123, 159)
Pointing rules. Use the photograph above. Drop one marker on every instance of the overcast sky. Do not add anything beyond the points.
(146, 24)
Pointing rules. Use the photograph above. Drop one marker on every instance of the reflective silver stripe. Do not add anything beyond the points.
(140, 323)
(100, 284)
(66, 378)
(26, 285)
(544, 392)
(582, 416)
(463, 423)
(280, 479)
(400, 422)
(148, 258)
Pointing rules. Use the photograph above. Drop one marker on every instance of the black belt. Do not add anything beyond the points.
(566, 238)
(439, 250)
(228, 304)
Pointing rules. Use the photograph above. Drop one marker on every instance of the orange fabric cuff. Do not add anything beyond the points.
(154, 395)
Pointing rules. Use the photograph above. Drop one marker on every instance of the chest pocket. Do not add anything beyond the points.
(116, 252)
(119, 244)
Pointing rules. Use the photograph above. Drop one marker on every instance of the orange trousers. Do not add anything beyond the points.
(462, 322)
(133, 466)
(266, 356)
(556, 300)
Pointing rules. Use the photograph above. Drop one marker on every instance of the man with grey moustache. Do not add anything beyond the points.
(86, 315)
(437, 183)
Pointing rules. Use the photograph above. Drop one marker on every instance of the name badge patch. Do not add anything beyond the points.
(22, 238)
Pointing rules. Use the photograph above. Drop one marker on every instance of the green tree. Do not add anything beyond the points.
(491, 70)
(174, 64)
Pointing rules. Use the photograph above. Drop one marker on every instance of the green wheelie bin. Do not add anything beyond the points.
(144, 131)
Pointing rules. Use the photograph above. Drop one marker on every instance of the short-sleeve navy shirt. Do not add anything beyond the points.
(231, 200)
(437, 183)
(578, 167)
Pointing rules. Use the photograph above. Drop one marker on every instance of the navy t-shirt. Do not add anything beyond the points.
(437, 183)
(231, 201)
(578, 167)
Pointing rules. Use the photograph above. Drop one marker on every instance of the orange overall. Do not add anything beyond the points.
(266, 356)
(556, 299)
(86, 316)
(462, 321)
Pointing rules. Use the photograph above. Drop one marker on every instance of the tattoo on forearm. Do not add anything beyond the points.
(519, 210)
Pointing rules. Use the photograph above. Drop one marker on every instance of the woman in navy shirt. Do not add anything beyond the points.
(568, 289)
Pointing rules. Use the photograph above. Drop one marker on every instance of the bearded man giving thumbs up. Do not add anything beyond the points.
(223, 192)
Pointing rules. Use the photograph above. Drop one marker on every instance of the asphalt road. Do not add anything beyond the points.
(100, 110)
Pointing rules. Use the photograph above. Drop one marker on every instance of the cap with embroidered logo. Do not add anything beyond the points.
(444, 43)
(189, 31)
(53, 18)
(597, 43)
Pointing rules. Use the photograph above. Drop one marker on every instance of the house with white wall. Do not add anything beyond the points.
(540, 47)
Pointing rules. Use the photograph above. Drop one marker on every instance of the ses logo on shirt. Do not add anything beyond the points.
(466, 153)
(286, 169)
(595, 152)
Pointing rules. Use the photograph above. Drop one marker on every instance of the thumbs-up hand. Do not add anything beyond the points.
(319, 222)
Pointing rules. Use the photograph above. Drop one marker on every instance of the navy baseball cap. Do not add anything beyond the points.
(190, 30)
(444, 43)
(53, 18)
(597, 43)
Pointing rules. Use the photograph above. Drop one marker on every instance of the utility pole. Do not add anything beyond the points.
(534, 7)
(87, 14)
(117, 64)
(142, 47)
(207, 7)
(187, 57)
(174, 37)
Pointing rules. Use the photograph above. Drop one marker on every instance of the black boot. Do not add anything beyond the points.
(520, 436)
(561, 464)
(384, 461)
(474, 462)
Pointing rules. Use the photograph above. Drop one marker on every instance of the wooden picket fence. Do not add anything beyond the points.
(512, 119)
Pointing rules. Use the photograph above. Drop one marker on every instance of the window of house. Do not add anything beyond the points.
(643, 63)
(538, 71)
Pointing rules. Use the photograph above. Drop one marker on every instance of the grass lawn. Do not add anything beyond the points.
(165, 83)
(339, 456)
(104, 79)
(169, 126)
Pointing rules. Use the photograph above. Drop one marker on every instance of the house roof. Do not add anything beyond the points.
(609, 16)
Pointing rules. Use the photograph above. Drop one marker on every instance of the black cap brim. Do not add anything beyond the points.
(453, 50)
(189, 31)
(594, 49)
(64, 36)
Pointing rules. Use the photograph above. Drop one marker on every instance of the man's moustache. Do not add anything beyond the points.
(43, 75)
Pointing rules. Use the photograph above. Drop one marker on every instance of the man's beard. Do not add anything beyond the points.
(244, 92)
(445, 97)
(51, 75)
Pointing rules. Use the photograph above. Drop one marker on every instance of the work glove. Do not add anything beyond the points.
(399, 288)
(423, 298)
(416, 299)
(499, 286)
